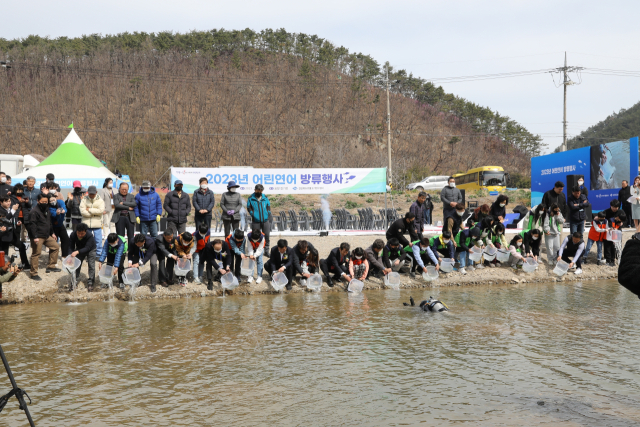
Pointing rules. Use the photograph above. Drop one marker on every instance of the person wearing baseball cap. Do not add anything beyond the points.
(148, 209)
(231, 203)
(178, 205)
(91, 209)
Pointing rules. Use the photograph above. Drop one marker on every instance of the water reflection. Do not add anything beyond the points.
(333, 359)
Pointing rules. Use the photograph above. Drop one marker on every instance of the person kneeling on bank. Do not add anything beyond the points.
(82, 245)
(394, 256)
(515, 252)
(281, 261)
(358, 265)
(218, 257)
(421, 254)
(572, 247)
(337, 263)
(143, 252)
(112, 252)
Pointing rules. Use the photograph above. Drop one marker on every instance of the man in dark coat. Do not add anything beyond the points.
(419, 209)
(281, 260)
(143, 252)
(42, 235)
(578, 204)
(402, 226)
(556, 196)
(629, 267)
(623, 197)
(337, 263)
(167, 256)
(177, 205)
(82, 245)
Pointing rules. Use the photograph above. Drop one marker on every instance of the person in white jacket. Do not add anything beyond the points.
(552, 228)
(255, 249)
(92, 209)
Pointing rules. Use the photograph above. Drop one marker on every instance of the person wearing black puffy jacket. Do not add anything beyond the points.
(629, 267)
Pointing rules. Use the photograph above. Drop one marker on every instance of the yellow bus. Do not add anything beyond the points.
(492, 178)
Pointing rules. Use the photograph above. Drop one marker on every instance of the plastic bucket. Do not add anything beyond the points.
(490, 253)
(247, 266)
(503, 255)
(476, 255)
(229, 281)
(131, 276)
(431, 274)
(529, 265)
(392, 280)
(182, 267)
(614, 235)
(446, 265)
(314, 282)
(71, 263)
(106, 274)
(561, 268)
(355, 285)
(279, 281)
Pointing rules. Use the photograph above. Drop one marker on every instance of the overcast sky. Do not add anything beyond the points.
(431, 39)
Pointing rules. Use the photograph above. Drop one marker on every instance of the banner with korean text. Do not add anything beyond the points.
(285, 181)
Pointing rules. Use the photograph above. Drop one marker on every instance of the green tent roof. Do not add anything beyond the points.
(72, 151)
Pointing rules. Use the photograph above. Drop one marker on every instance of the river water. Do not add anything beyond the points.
(333, 359)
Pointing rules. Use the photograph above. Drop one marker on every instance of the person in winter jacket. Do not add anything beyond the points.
(202, 237)
(556, 196)
(106, 194)
(177, 205)
(419, 209)
(113, 252)
(203, 202)
(466, 244)
(167, 256)
(73, 203)
(499, 208)
(259, 207)
(478, 215)
(91, 209)
(83, 246)
(450, 197)
(394, 256)
(218, 257)
(374, 255)
(124, 216)
(337, 263)
(41, 230)
(443, 245)
(531, 243)
(597, 234)
(552, 227)
(402, 226)
(5, 189)
(184, 243)
(572, 247)
(281, 260)
(231, 203)
(623, 197)
(143, 252)
(148, 209)
(629, 267)
(578, 204)
(300, 252)
(58, 210)
(255, 243)
(453, 223)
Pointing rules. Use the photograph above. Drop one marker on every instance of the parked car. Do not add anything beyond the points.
(436, 182)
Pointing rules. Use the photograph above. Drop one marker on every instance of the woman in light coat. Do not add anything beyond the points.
(106, 194)
(635, 206)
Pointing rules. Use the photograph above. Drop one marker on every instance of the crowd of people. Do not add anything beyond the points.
(103, 223)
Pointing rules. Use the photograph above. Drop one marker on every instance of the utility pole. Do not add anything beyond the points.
(388, 129)
(566, 81)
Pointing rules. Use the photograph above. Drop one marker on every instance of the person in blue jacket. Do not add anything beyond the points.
(148, 209)
(58, 210)
(259, 207)
(113, 253)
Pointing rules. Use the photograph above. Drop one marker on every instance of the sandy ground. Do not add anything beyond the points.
(55, 287)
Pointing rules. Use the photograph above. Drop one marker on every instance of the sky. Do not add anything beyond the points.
(430, 39)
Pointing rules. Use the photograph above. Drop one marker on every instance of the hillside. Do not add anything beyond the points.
(618, 126)
(143, 102)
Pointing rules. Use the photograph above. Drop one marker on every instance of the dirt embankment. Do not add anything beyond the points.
(56, 286)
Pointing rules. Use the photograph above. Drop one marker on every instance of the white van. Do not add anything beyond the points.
(437, 182)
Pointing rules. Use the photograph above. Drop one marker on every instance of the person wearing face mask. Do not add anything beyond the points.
(583, 190)
(73, 204)
(167, 256)
(402, 226)
(8, 215)
(124, 217)
(113, 252)
(394, 256)
(454, 223)
(531, 242)
(218, 257)
(143, 252)
(237, 244)
(419, 208)
(148, 210)
(552, 227)
(572, 247)
(50, 179)
(450, 197)
(623, 197)
(499, 208)
(535, 218)
(91, 209)
(498, 239)
(177, 205)
(300, 252)
(478, 215)
(83, 246)
(358, 265)
(373, 253)
(515, 248)
(58, 210)
(443, 245)
(5, 189)
(259, 207)
(281, 260)
(337, 263)
(578, 205)
(41, 229)
(467, 243)
(231, 203)
(421, 254)
(203, 203)
(255, 245)
(597, 234)
(201, 236)
(106, 194)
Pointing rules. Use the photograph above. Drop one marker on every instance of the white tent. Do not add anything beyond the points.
(71, 161)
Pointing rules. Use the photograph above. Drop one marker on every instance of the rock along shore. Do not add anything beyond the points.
(56, 287)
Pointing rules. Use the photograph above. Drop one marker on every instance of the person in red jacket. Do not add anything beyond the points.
(597, 234)
(202, 237)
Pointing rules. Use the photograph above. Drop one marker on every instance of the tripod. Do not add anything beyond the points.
(18, 392)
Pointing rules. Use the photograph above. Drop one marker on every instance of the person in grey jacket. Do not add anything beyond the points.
(124, 216)
(450, 197)
(177, 205)
(203, 203)
(231, 203)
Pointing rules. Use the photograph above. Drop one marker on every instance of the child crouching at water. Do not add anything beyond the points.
(515, 251)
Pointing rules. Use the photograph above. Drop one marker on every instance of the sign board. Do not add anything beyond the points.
(285, 181)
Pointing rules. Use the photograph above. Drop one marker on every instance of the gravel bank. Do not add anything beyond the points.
(55, 287)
